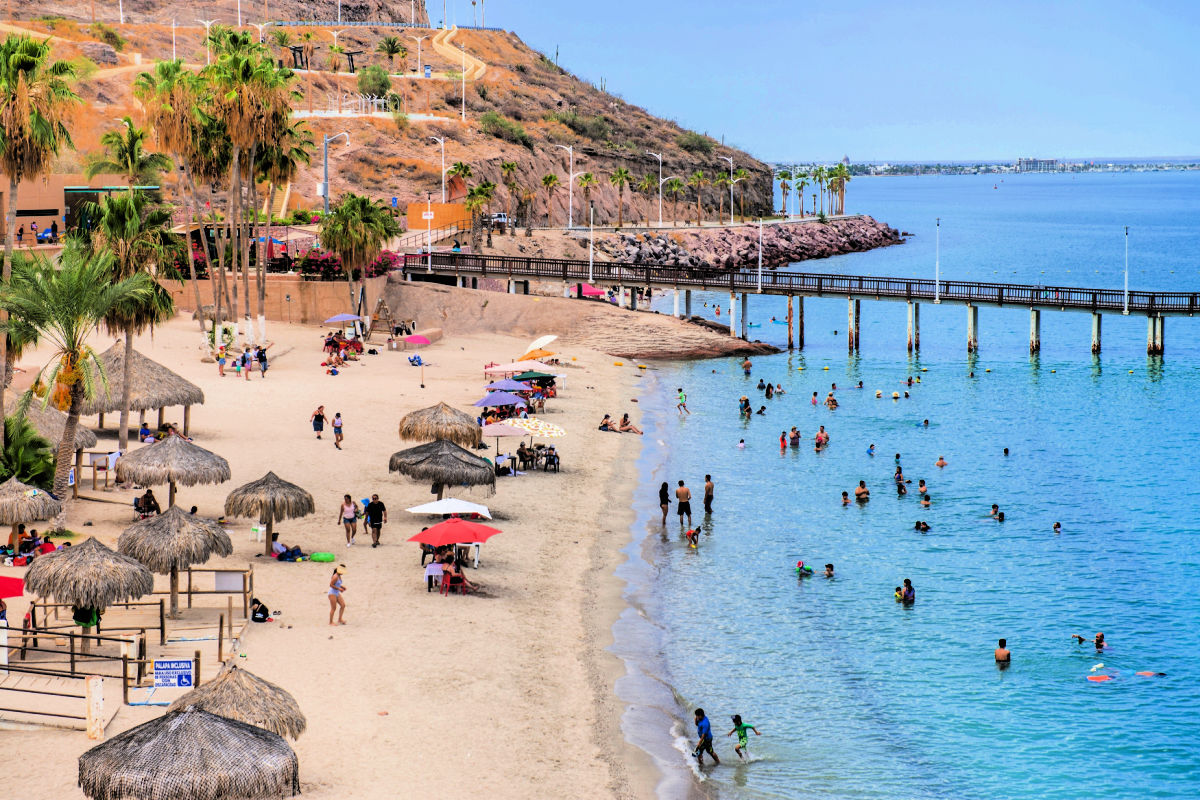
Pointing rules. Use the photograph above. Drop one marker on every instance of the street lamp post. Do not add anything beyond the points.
(419, 39)
(760, 232)
(325, 185)
(339, 19)
(464, 82)
(207, 23)
(120, 11)
(731, 182)
(239, 14)
(570, 184)
(442, 142)
(261, 30)
(660, 183)
(429, 231)
(937, 263)
(173, 56)
(1125, 310)
(591, 239)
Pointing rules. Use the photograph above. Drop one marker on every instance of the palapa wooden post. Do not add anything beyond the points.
(94, 697)
(187, 420)
(78, 473)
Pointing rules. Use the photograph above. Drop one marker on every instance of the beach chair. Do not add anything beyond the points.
(450, 582)
(552, 460)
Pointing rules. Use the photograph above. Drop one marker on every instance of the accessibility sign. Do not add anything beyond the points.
(426, 215)
(173, 673)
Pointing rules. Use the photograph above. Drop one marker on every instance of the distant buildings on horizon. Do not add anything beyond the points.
(1021, 165)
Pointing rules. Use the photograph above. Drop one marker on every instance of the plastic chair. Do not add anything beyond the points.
(450, 582)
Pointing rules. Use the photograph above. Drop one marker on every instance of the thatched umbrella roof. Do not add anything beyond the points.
(444, 463)
(49, 422)
(151, 385)
(269, 498)
(190, 755)
(241, 695)
(88, 575)
(440, 422)
(172, 460)
(20, 502)
(172, 541)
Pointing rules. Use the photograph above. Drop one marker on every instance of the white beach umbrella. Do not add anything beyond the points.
(540, 343)
(451, 505)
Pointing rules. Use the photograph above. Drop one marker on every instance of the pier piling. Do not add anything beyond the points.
(914, 326)
(1155, 333)
(791, 343)
(854, 310)
(687, 303)
(800, 322)
(676, 299)
(1096, 334)
(972, 328)
(1035, 331)
(745, 315)
(733, 314)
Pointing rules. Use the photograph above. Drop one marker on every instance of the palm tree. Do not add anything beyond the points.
(647, 186)
(784, 177)
(356, 229)
(66, 303)
(474, 203)
(278, 163)
(487, 192)
(674, 187)
(721, 183)
(819, 176)
(586, 181)
(698, 181)
(619, 178)
(335, 57)
(391, 47)
(460, 169)
(281, 39)
(139, 238)
(509, 170)
(801, 177)
(308, 41)
(841, 175)
(126, 155)
(740, 177)
(528, 195)
(34, 100)
(550, 182)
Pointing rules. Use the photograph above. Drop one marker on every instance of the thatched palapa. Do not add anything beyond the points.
(172, 460)
(88, 575)
(49, 422)
(269, 498)
(152, 386)
(440, 422)
(245, 697)
(444, 463)
(190, 755)
(172, 541)
(20, 502)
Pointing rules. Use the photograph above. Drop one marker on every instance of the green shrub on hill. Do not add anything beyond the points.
(107, 35)
(504, 128)
(696, 143)
(596, 128)
(374, 80)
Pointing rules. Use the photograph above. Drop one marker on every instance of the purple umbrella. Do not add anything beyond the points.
(507, 385)
(500, 399)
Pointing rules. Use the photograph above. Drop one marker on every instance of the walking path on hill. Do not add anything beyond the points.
(443, 44)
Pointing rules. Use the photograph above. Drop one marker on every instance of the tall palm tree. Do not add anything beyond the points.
(784, 176)
(648, 185)
(278, 164)
(619, 178)
(740, 177)
(335, 57)
(841, 175)
(356, 229)
(586, 181)
(391, 46)
(460, 169)
(66, 303)
(674, 188)
(721, 184)
(550, 183)
(698, 180)
(139, 237)
(474, 203)
(801, 177)
(487, 192)
(308, 41)
(283, 40)
(528, 195)
(126, 155)
(35, 96)
(509, 170)
(819, 176)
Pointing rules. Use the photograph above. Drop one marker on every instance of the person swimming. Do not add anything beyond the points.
(761, 385)
(921, 487)
(861, 493)
(829, 570)
(1098, 641)
(925, 501)
(779, 389)
(814, 398)
(941, 462)
(995, 510)
(762, 411)
(831, 402)
(921, 525)
(845, 498)
(770, 391)
(871, 450)
(1058, 527)
(794, 437)
(741, 444)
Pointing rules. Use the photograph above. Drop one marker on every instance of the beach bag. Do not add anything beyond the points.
(321, 557)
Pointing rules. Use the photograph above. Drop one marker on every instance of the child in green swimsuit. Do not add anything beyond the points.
(743, 739)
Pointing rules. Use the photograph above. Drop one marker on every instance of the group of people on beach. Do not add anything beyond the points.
(251, 358)
(319, 420)
(683, 499)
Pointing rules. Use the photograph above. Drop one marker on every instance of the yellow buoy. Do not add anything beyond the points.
(642, 366)
(1054, 370)
(825, 368)
(895, 395)
(987, 370)
(618, 363)
(800, 369)
(1130, 372)
(924, 369)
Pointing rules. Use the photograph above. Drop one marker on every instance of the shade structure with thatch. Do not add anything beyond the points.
(49, 422)
(88, 575)
(151, 386)
(245, 697)
(20, 502)
(172, 541)
(172, 460)
(269, 498)
(190, 755)
(444, 463)
(440, 422)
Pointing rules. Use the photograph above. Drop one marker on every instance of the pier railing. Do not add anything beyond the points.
(805, 283)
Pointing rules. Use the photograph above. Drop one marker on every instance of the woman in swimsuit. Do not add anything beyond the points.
(664, 500)
(336, 588)
(348, 513)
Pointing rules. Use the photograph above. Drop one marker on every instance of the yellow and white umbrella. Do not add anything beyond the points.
(540, 343)
(537, 428)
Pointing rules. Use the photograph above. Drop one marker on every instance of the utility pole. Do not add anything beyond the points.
(207, 23)
(442, 142)
(325, 185)
(937, 263)
(571, 175)
(660, 184)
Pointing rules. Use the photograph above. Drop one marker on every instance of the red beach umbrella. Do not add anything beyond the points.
(12, 587)
(416, 339)
(454, 531)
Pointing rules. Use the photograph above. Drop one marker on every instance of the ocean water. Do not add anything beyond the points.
(855, 695)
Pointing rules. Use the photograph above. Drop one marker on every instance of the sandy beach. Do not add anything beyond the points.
(508, 690)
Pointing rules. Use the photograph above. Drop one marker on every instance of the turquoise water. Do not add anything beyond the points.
(856, 696)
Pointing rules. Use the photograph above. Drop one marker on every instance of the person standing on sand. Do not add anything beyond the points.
(664, 500)
(336, 588)
(262, 360)
(348, 515)
(318, 420)
(684, 496)
(221, 361)
(247, 363)
(337, 430)
(708, 494)
(374, 517)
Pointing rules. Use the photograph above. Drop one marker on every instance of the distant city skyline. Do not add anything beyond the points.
(878, 81)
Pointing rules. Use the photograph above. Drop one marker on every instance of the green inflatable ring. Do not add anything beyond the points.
(321, 557)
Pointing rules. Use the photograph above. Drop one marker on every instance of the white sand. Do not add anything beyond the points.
(506, 694)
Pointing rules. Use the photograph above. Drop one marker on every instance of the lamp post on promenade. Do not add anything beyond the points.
(937, 263)
(731, 182)
(442, 142)
(1125, 310)
(571, 175)
(325, 185)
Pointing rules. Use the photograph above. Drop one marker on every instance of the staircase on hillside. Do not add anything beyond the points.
(282, 197)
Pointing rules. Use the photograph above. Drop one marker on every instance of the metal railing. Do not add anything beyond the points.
(816, 284)
(418, 238)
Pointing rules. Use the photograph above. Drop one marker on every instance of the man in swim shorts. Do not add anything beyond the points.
(705, 739)
(684, 496)
(709, 491)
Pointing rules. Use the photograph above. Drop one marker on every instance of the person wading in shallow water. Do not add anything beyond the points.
(684, 496)
(709, 493)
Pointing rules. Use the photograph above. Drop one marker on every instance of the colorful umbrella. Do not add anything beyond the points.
(12, 587)
(342, 318)
(451, 505)
(518, 366)
(416, 339)
(500, 431)
(533, 355)
(592, 291)
(508, 385)
(499, 399)
(454, 531)
(538, 428)
(533, 375)
(541, 341)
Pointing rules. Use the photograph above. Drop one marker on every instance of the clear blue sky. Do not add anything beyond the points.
(913, 80)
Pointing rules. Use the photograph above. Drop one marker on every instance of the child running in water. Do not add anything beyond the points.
(743, 739)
